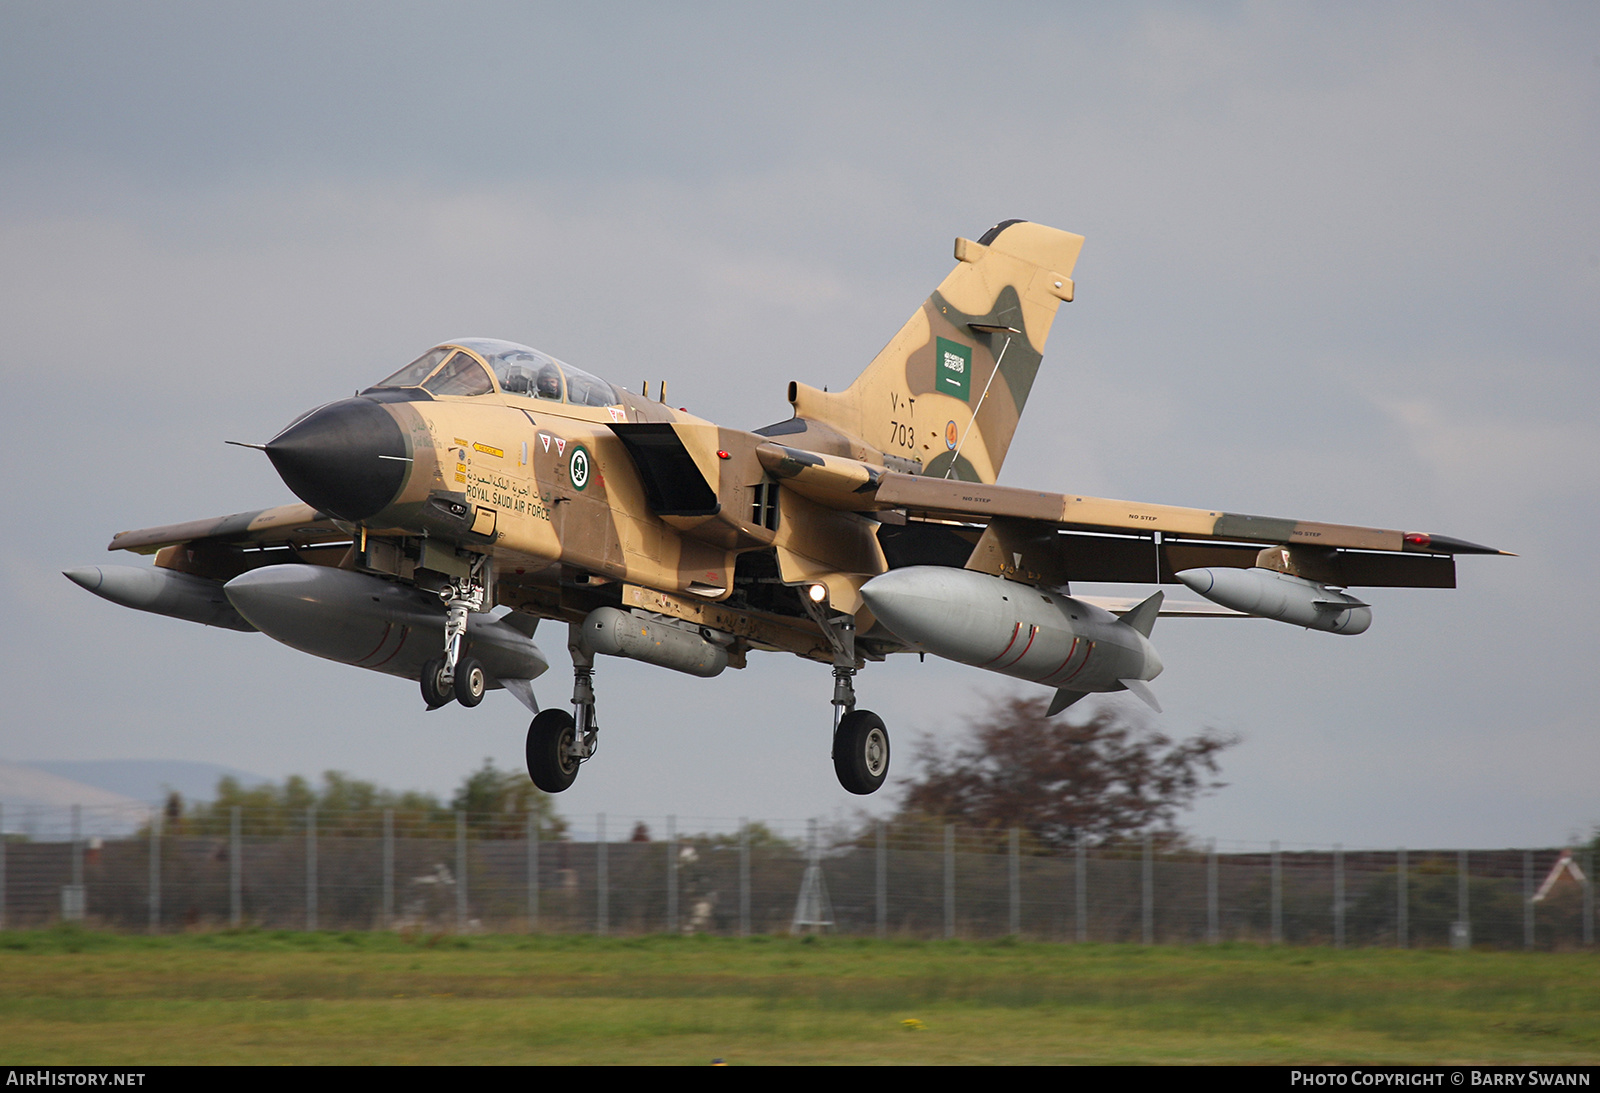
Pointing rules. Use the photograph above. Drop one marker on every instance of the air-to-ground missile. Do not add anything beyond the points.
(372, 623)
(161, 592)
(662, 642)
(1018, 630)
(1281, 596)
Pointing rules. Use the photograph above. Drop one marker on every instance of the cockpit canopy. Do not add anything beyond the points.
(464, 367)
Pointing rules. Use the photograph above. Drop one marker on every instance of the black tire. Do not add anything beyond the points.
(549, 737)
(861, 752)
(434, 691)
(470, 682)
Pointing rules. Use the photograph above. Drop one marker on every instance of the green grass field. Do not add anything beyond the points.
(75, 997)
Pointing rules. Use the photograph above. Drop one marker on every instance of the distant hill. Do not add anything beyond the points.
(38, 805)
(145, 781)
(26, 787)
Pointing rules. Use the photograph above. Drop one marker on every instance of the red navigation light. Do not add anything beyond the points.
(722, 454)
(1416, 538)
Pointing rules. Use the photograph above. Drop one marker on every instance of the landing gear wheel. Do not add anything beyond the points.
(550, 738)
(861, 752)
(435, 691)
(470, 682)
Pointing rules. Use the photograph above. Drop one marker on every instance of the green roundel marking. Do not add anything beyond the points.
(578, 467)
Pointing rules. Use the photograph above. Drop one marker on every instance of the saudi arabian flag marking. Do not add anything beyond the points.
(954, 369)
(578, 468)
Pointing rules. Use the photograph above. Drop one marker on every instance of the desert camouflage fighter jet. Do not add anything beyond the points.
(486, 486)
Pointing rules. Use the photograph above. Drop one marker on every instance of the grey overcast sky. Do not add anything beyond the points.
(1343, 263)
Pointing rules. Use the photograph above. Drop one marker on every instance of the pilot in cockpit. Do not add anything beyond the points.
(548, 385)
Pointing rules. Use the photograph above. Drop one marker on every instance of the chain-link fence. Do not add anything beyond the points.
(279, 869)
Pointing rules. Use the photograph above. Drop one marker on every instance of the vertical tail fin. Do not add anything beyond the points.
(947, 391)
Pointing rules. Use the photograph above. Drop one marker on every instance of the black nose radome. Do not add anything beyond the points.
(347, 458)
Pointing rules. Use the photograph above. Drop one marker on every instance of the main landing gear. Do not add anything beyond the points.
(552, 764)
(451, 675)
(860, 741)
(558, 742)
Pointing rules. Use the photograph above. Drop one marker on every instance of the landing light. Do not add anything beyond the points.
(817, 592)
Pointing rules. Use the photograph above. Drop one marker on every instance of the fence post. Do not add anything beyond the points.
(1403, 910)
(883, 881)
(1527, 899)
(1461, 933)
(1016, 882)
(1277, 895)
(155, 870)
(1080, 883)
(672, 874)
(532, 839)
(602, 882)
(77, 847)
(461, 870)
(1589, 895)
(1338, 896)
(1213, 925)
(235, 869)
(744, 876)
(949, 880)
(311, 867)
(1147, 909)
(73, 901)
(388, 868)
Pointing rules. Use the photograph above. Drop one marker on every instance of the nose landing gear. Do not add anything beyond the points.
(436, 689)
(452, 676)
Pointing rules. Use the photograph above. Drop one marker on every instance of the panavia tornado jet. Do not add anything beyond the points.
(487, 486)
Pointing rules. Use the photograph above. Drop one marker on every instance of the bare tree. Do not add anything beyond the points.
(1103, 777)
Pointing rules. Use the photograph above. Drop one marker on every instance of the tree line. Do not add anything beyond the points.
(497, 804)
(1100, 775)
